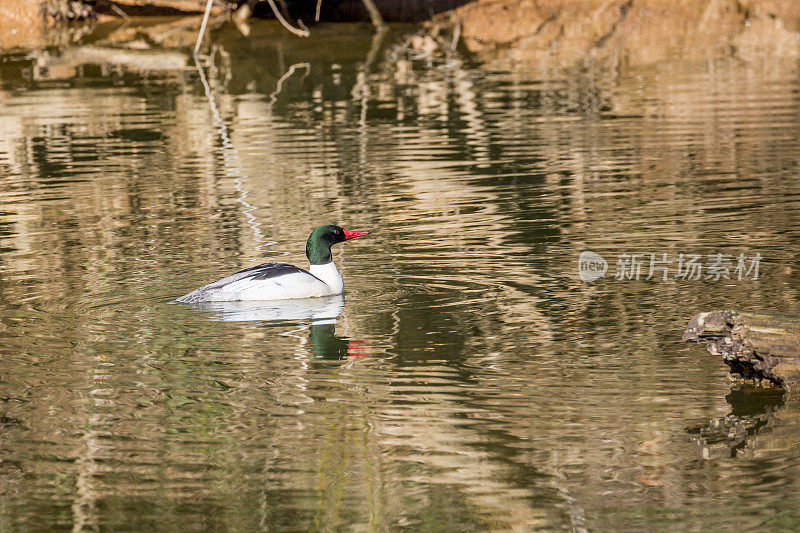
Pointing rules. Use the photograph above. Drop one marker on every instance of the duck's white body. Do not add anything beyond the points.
(271, 281)
(279, 281)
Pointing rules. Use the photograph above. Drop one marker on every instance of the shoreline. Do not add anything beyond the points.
(633, 32)
(559, 32)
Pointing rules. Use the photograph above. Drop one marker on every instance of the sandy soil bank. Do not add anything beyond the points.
(635, 31)
(558, 31)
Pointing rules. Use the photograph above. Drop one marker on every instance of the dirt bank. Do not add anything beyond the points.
(635, 31)
(560, 31)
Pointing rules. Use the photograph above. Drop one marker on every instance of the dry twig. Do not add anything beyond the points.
(298, 32)
(203, 26)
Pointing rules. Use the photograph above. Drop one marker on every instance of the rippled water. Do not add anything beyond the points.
(470, 380)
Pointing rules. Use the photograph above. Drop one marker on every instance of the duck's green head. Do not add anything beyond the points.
(318, 247)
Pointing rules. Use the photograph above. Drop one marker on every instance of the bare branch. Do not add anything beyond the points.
(298, 32)
(374, 14)
(203, 26)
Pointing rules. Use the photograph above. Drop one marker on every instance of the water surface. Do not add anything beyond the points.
(471, 380)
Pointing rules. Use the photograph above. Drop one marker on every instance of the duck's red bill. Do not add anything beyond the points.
(353, 234)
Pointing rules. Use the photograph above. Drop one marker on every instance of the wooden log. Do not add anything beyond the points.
(755, 346)
(161, 8)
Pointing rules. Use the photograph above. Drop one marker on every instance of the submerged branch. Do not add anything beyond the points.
(273, 97)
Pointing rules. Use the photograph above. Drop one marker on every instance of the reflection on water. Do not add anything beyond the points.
(327, 345)
(317, 309)
(502, 392)
(752, 410)
(322, 312)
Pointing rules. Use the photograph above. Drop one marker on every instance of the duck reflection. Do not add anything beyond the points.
(326, 308)
(322, 312)
(329, 346)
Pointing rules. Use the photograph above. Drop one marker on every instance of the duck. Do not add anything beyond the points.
(281, 281)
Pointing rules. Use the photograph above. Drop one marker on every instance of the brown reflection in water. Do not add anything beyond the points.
(747, 431)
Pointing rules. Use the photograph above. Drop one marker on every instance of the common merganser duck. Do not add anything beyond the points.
(280, 281)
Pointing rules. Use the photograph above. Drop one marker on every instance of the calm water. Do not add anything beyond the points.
(470, 380)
